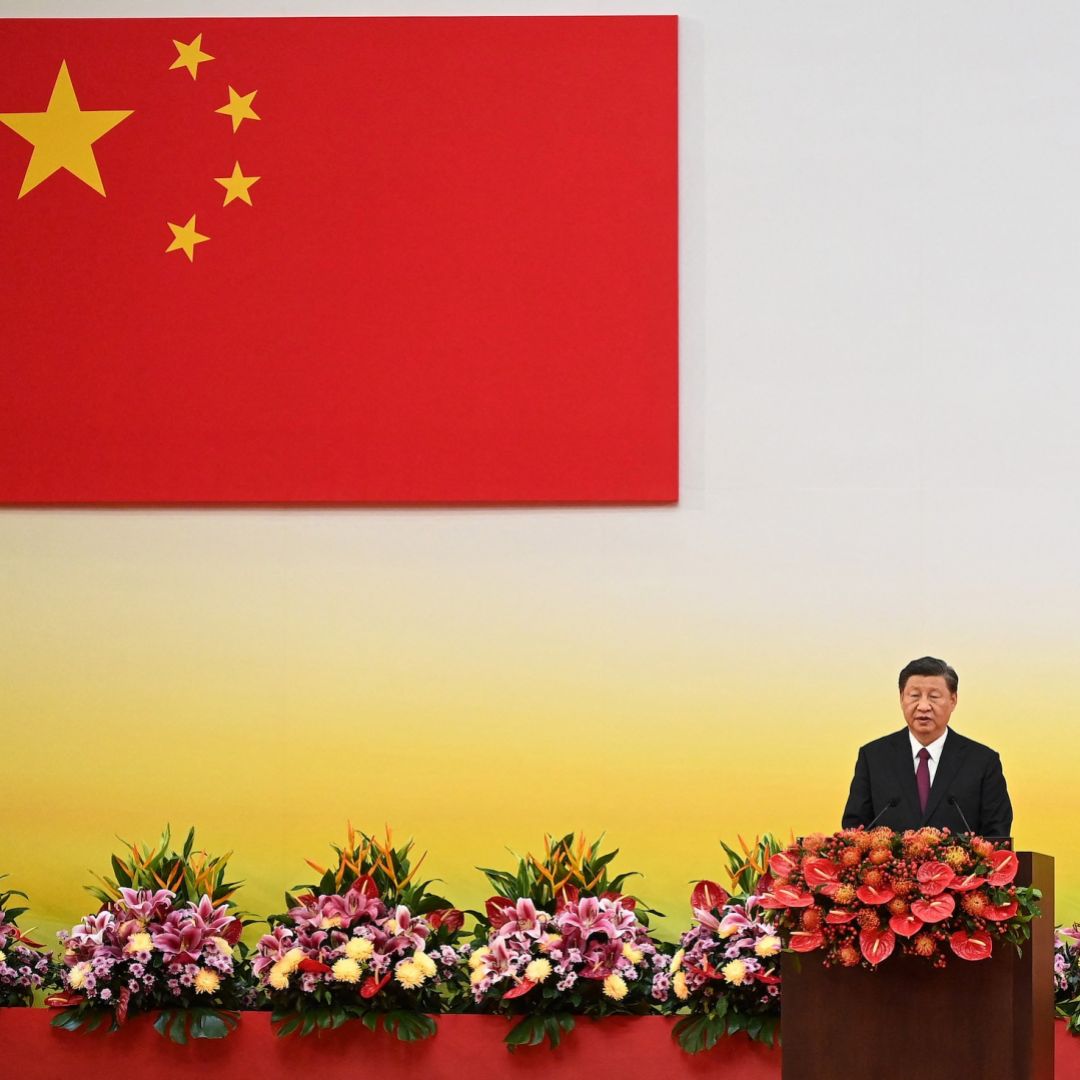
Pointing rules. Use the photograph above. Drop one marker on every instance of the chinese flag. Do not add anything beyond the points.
(415, 260)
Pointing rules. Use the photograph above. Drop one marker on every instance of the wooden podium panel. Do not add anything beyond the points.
(986, 1020)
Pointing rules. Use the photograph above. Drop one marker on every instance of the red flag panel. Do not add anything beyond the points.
(368, 261)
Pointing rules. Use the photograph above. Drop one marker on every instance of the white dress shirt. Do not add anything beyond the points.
(935, 752)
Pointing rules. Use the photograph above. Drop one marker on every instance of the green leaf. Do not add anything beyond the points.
(288, 1027)
(212, 1026)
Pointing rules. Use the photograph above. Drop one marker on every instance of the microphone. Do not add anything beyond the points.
(894, 801)
(953, 801)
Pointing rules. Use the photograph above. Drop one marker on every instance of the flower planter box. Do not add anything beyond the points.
(623, 1047)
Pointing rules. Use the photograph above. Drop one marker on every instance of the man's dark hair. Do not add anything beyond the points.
(930, 665)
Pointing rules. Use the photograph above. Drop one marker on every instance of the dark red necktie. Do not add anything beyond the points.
(922, 778)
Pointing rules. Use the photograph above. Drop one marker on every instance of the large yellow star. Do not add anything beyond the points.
(63, 136)
(237, 185)
(185, 238)
(239, 107)
(190, 56)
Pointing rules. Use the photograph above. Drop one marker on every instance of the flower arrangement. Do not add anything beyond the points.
(24, 965)
(368, 942)
(1067, 976)
(859, 894)
(726, 971)
(163, 938)
(560, 939)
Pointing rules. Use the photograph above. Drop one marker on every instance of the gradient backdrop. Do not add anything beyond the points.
(879, 269)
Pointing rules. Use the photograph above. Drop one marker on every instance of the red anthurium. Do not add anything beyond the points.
(1000, 912)
(867, 894)
(934, 877)
(818, 871)
(940, 907)
(977, 946)
(792, 896)
(708, 896)
(767, 980)
(371, 986)
(1004, 865)
(964, 884)
(64, 1000)
(316, 967)
(905, 925)
(568, 894)
(801, 941)
(520, 990)
(451, 918)
(365, 886)
(499, 910)
(20, 936)
(782, 865)
(877, 945)
(837, 917)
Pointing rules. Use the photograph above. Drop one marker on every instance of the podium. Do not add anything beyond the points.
(984, 1020)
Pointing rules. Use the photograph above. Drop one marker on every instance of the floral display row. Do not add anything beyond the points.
(561, 937)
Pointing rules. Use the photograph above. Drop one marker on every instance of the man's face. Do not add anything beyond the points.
(927, 705)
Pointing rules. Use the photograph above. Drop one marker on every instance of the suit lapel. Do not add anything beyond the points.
(904, 767)
(952, 756)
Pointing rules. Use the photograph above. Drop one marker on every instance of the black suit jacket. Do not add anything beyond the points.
(971, 772)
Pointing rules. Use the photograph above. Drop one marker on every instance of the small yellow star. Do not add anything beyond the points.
(185, 238)
(63, 136)
(239, 107)
(190, 56)
(237, 185)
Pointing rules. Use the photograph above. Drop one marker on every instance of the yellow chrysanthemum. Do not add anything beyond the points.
(478, 975)
(768, 946)
(676, 960)
(331, 922)
(359, 949)
(77, 976)
(678, 984)
(278, 979)
(223, 946)
(3, 956)
(409, 974)
(290, 961)
(538, 971)
(632, 954)
(478, 957)
(549, 941)
(424, 963)
(346, 970)
(727, 931)
(734, 972)
(139, 943)
(207, 981)
(615, 987)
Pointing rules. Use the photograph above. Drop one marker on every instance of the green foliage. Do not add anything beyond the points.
(533, 1030)
(569, 862)
(403, 1024)
(180, 1025)
(189, 873)
(702, 1031)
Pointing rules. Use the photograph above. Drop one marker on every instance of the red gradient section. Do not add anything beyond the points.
(457, 281)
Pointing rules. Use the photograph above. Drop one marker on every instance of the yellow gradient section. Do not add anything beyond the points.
(268, 677)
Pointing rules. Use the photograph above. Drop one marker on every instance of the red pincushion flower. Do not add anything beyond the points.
(975, 903)
(811, 919)
(850, 857)
(1004, 865)
(932, 911)
(925, 945)
(976, 946)
(848, 955)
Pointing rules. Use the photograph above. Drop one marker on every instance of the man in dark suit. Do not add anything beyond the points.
(929, 774)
